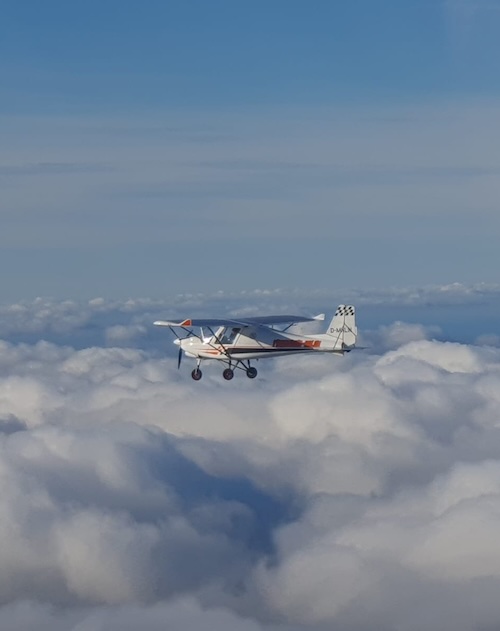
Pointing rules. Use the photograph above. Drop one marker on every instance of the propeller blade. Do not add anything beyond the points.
(179, 358)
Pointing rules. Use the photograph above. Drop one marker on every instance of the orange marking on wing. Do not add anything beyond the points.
(187, 323)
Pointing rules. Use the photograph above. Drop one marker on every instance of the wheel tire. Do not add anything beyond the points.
(228, 374)
(196, 374)
(251, 372)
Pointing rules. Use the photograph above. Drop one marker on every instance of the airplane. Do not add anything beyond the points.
(236, 341)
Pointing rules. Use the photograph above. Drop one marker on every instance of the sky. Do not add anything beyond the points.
(150, 149)
(166, 160)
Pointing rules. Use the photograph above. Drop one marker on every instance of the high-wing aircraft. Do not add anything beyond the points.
(236, 341)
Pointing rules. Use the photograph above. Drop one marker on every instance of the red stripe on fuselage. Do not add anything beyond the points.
(284, 344)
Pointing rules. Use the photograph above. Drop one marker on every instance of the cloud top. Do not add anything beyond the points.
(326, 493)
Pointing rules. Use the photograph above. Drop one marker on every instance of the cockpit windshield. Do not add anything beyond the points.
(229, 335)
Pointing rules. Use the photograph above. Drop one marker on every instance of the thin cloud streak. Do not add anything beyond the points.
(345, 163)
(111, 207)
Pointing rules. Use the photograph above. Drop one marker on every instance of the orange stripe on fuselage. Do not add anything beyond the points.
(296, 343)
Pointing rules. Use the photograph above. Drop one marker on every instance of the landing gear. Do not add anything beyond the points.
(228, 373)
(196, 374)
(251, 372)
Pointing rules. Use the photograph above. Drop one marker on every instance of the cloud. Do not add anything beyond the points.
(123, 335)
(183, 613)
(347, 493)
(413, 313)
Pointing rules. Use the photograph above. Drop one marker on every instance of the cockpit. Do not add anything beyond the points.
(228, 335)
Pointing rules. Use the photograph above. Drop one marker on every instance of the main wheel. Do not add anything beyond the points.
(196, 374)
(228, 374)
(251, 372)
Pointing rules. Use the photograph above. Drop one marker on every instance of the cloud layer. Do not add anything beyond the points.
(127, 323)
(351, 493)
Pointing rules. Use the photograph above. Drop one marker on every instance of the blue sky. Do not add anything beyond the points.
(150, 148)
(225, 53)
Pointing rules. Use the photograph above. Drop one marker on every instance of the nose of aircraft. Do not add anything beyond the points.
(177, 342)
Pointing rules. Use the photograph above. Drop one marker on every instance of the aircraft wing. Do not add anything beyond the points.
(186, 324)
(259, 320)
(281, 319)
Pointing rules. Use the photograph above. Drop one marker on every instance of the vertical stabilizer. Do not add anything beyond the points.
(342, 329)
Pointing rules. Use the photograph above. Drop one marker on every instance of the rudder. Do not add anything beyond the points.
(343, 328)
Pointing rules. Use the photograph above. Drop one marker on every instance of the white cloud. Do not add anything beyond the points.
(99, 322)
(346, 492)
(123, 335)
(395, 335)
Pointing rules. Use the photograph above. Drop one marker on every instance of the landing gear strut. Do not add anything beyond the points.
(228, 373)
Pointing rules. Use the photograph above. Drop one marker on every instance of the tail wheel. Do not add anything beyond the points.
(251, 372)
(196, 374)
(228, 374)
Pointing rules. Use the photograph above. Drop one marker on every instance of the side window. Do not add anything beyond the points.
(230, 335)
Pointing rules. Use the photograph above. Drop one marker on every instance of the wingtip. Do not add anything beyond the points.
(184, 323)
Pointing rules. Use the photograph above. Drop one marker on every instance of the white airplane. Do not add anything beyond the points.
(236, 341)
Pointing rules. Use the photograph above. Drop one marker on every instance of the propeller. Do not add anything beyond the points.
(179, 358)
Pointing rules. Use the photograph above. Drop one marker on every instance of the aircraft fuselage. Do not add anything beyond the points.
(253, 343)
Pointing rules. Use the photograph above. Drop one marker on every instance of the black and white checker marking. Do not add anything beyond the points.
(345, 310)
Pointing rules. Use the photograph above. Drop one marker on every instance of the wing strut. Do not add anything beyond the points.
(190, 333)
(219, 341)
